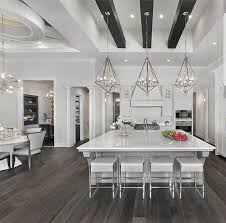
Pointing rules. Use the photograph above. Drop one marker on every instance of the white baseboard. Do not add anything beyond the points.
(62, 145)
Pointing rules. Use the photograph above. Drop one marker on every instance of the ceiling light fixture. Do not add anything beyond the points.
(161, 16)
(8, 84)
(147, 79)
(125, 60)
(186, 79)
(107, 79)
(132, 16)
(168, 60)
(214, 43)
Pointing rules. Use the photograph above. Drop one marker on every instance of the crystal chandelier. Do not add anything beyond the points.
(50, 94)
(186, 79)
(147, 79)
(107, 79)
(8, 84)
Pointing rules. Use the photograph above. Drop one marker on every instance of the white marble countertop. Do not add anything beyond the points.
(140, 141)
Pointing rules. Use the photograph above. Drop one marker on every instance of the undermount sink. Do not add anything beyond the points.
(149, 127)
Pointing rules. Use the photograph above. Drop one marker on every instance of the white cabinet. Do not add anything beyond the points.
(167, 109)
(183, 101)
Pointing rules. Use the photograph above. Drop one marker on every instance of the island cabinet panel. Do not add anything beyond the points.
(144, 144)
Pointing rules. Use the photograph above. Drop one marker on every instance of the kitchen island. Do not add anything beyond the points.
(140, 143)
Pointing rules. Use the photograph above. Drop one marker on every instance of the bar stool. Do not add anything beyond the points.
(162, 165)
(189, 165)
(131, 165)
(103, 165)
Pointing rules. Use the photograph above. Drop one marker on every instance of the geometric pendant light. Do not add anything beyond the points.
(107, 78)
(186, 79)
(147, 79)
(8, 84)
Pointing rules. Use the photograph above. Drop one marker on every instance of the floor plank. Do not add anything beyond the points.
(57, 192)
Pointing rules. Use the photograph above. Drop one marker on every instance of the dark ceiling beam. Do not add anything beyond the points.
(113, 21)
(179, 21)
(146, 6)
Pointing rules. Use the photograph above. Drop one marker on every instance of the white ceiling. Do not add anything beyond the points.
(85, 18)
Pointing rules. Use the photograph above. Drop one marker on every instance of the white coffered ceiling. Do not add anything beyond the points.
(125, 8)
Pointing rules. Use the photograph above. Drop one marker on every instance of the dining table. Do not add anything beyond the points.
(7, 145)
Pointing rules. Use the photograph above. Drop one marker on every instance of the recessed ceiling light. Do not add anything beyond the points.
(132, 16)
(168, 60)
(190, 16)
(125, 60)
(214, 43)
(161, 16)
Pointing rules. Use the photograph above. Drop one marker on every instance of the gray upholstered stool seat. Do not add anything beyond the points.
(165, 165)
(132, 165)
(189, 165)
(98, 167)
(103, 164)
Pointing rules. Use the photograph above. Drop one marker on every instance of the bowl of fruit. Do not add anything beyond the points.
(172, 134)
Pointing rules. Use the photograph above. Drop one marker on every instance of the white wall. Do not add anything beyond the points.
(9, 110)
(220, 108)
(66, 73)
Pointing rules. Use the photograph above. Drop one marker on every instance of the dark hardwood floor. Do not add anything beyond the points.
(57, 192)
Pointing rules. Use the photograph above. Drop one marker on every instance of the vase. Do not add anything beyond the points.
(124, 130)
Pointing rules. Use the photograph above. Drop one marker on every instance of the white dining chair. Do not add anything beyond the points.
(33, 130)
(35, 142)
(25, 144)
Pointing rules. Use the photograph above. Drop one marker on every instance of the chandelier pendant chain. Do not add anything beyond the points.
(3, 44)
(147, 77)
(107, 31)
(147, 35)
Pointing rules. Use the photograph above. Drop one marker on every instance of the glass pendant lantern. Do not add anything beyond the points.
(107, 79)
(147, 79)
(186, 79)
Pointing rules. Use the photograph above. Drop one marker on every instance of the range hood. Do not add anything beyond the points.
(153, 99)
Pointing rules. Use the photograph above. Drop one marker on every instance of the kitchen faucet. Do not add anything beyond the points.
(146, 124)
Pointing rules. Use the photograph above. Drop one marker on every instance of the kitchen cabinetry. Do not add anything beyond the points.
(167, 109)
(30, 109)
(183, 101)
